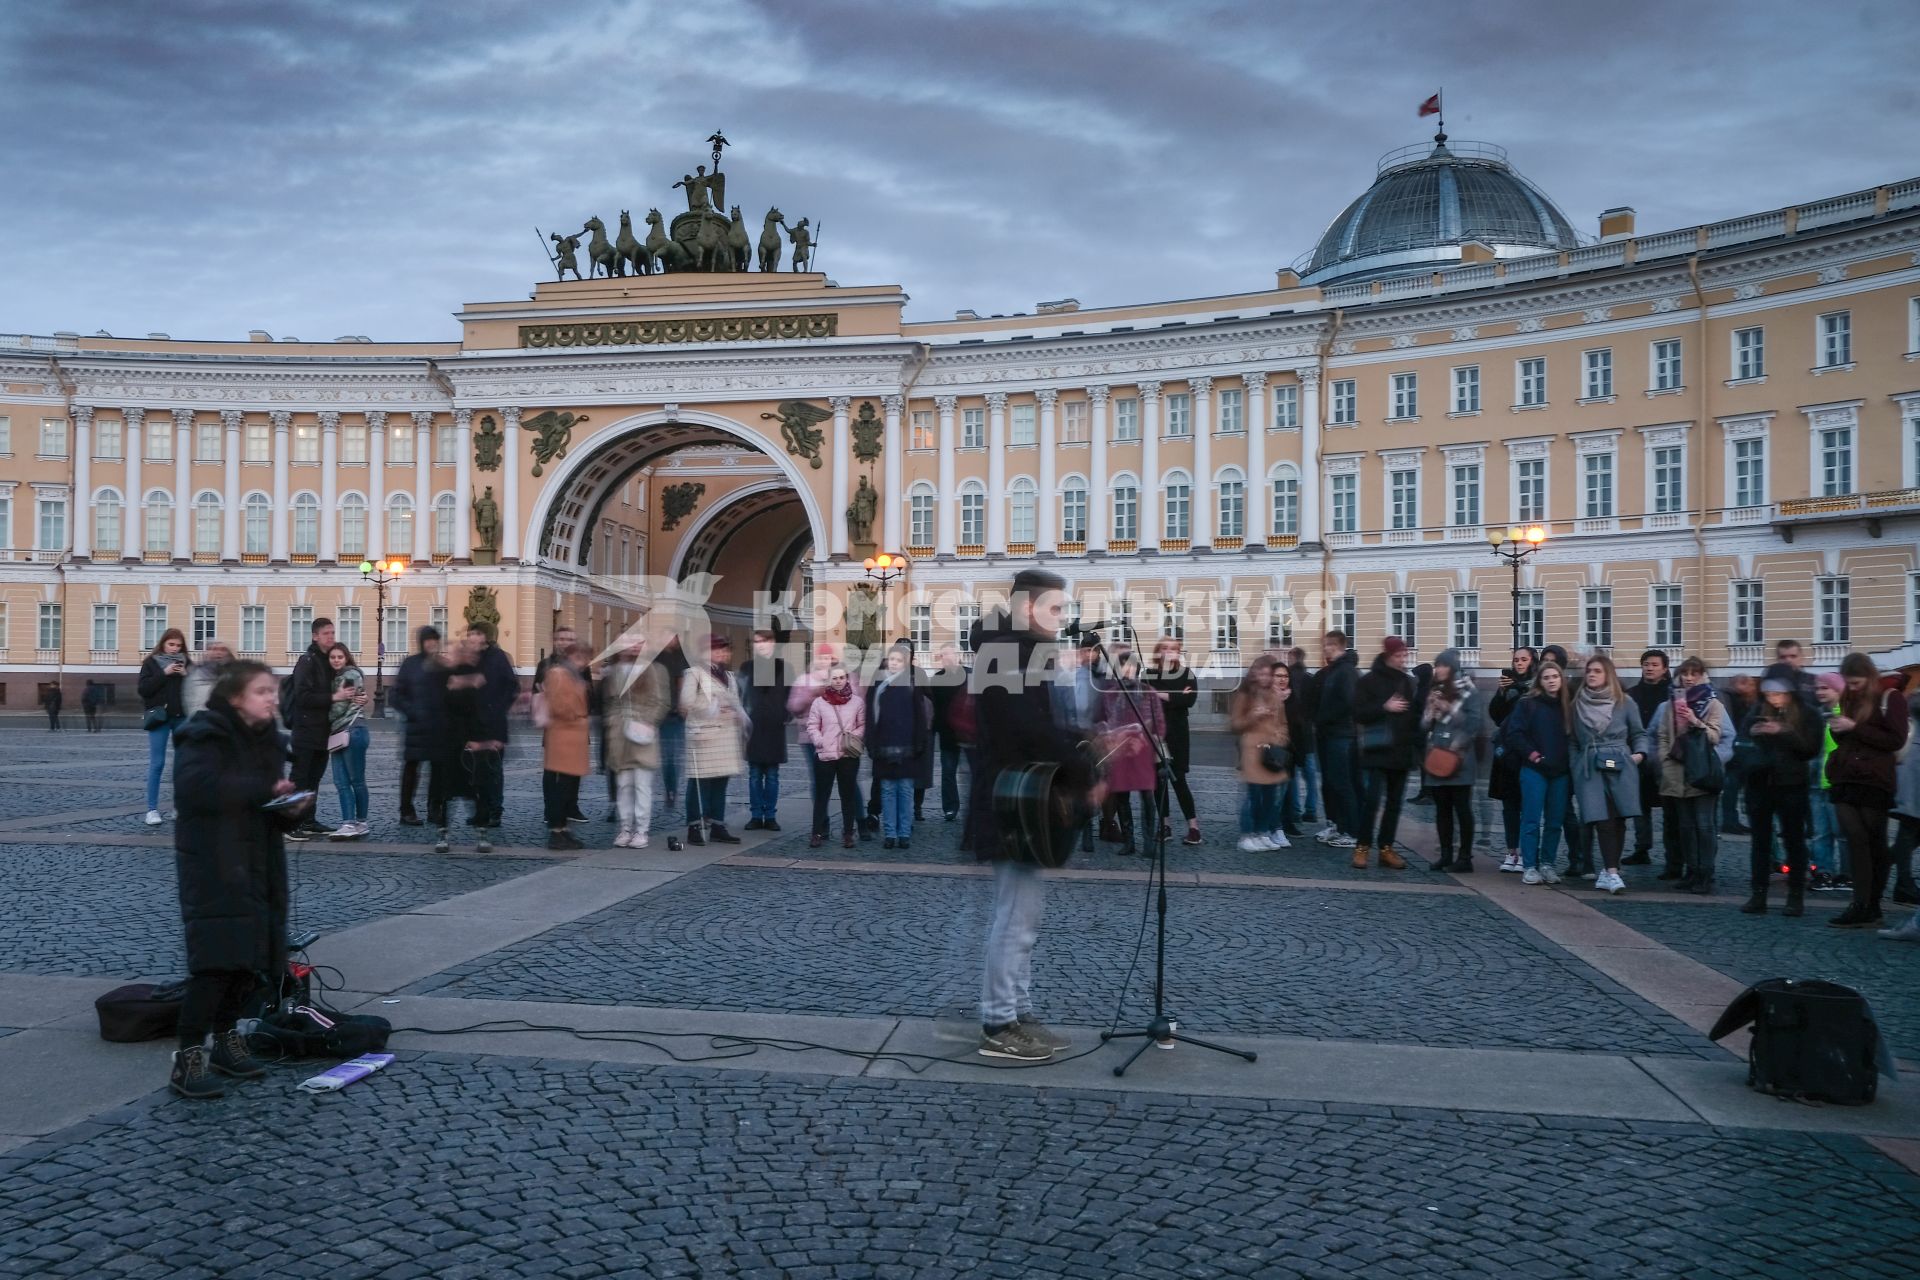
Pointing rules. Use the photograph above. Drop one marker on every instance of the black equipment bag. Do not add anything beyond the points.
(1811, 1039)
(140, 1011)
(308, 1033)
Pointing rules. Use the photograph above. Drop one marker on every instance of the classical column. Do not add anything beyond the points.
(82, 505)
(842, 486)
(1099, 501)
(1309, 456)
(423, 484)
(1202, 461)
(893, 500)
(230, 483)
(1151, 499)
(183, 484)
(997, 473)
(1259, 497)
(509, 485)
(947, 502)
(278, 545)
(462, 484)
(377, 484)
(133, 535)
(1046, 535)
(329, 485)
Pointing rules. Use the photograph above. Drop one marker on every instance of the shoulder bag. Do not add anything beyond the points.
(1441, 760)
(1700, 764)
(1275, 759)
(155, 718)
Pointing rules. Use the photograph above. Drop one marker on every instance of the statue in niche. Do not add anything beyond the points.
(867, 430)
(486, 520)
(860, 512)
(486, 444)
(863, 616)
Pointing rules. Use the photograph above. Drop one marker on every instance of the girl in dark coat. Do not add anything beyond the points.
(1178, 689)
(1503, 783)
(162, 678)
(419, 688)
(1785, 737)
(1869, 731)
(1536, 737)
(900, 738)
(232, 869)
(764, 689)
(1386, 717)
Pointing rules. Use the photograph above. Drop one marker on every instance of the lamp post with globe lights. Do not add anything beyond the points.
(380, 573)
(885, 569)
(1514, 544)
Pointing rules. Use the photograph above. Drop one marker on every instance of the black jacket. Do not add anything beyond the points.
(1780, 759)
(942, 686)
(1649, 695)
(1538, 726)
(1014, 725)
(312, 700)
(228, 854)
(763, 687)
(419, 692)
(1333, 690)
(158, 689)
(1300, 709)
(672, 660)
(494, 701)
(1182, 688)
(1401, 748)
(899, 715)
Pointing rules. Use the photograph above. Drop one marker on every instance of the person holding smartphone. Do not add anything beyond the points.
(162, 682)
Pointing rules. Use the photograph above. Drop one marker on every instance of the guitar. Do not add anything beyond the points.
(1036, 813)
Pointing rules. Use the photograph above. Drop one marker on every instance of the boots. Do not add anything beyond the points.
(1362, 857)
(1463, 865)
(1700, 880)
(231, 1057)
(190, 1078)
(1796, 898)
(1445, 863)
(1756, 905)
(1391, 860)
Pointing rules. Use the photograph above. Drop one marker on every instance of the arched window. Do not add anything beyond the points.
(445, 508)
(1126, 508)
(400, 525)
(206, 524)
(159, 506)
(1073, 510)
(920, 515)
(973, 514)
(1022, 502)
(1286, 499)
(1230, 489)
(353, 527)
(306, 525)
(1178, 489)
(259, 524)
(107, 509)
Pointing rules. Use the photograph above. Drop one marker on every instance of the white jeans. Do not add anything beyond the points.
(633, 797)
(1019, 898)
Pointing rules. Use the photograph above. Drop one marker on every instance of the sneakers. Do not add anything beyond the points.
(1328, 834)
(1908, 932)
(563, 839)
(753, 824)
(230, 1056)
(1015, 1042)
(1255, 844)
(1042, 1034)
(639, 840)
(349, 831)
(1609, 882)
(192, 1079)
(1335, 838)
(153, 817)
(624, 840)
(1531, 876)
(484, 846)
(1277, 839)
(1548, 874)
(442, 844)
(1513, 864)
(1193, 837)
(1857, 918)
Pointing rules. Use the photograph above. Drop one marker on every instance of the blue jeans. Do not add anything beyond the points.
(1006, 984)
(896, 808)
(763, 791)
(157, 740)
(1340, 783)
(1264, 798)
(350, 775)
(1303, 789)
(673, 751)
(1543, 811)
(1829, 847)
(706, 798)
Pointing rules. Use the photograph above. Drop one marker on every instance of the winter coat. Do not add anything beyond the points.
(1182, 690)
(1906, 800)
(715, 724)
(1333, 694)
(812, 685)
(343, 715)
(1459, 729)
(943, 686)
(763, 689)
(827, 722)
(1130, 762)
(1300, 709)
(161, 686)
(634, 695)
(1717, 724)
(1370, 696)
(1258, 718)
(198, 685)
(228, 853)
(1014, 725)
(312, 700)
(496, 699)
(1503, 781)
(1537, 726)
(1863, 756)
(1780, 759)
(567, 739)
(1593, 787)
(419, 691)
(899, 720)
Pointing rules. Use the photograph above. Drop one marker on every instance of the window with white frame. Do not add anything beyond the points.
(353, 443)
(1179, 414)
(400, 449)
(257, 442)
(1466, 493)
(1750, 472)
(1074, 419)
(973, 515)
(106, 627)
(1834, 610)
(1126, 511)
(1121, 619)
(53, 437)
(6, 517)
(1465, 633)
(1226, 626)
(1531, 610)
(399, 524)
(1286, 407)
(1598, 367)
(1279, 622)
(1230, 494)
(160, 443)
(973, 428)
(1466, 388)
(1667, 374)
(1022, 508)
(446, 445)
(1913, 447)
(153, 625)
(920, 516)
(52, 523)
(306, 525)
(253, 628)
(1596, 617)
(159, 522)
(1345, 405)
(109, 439)
(445, 512)
(964, 617)
(1668, 623)
(1073, 511)
(346, 627)
(1343, 503)
(1749, 605)
(51, 627)
(206, 626)
(300, 626)
(257, 525)
(1126, 418)
(1836, 338)
(1913, 606)
(1913, 326)
(1286, 500)
(306, 442)
(1597, 486)
(1233, 412)
(437, 618)
(1406, 395)
(920, 431)
(1530, 381)
(920, 626)
(1530, 489)
(107, 513)
(206, 524)
(1836, 461)
(395, 621)
(1749, 353)
(1178, 521)
(6, 435)
(1173, 621)
(1669, 478)
(1342, 616)
(1022, 425)
(1403, 617)
(206, 440)
(1403, 498)
(353, 526)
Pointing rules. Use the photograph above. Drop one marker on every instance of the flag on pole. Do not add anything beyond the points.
(1431, 107)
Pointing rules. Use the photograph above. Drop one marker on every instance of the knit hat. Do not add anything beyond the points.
(1776, 685)
(1392, 645)
(1831, 680)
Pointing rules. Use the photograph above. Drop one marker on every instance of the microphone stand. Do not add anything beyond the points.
(1163, 1031)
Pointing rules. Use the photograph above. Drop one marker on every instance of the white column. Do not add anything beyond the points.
(423, 484)
(947, 501)
(133, 535)
(278, 543)
(1099, 500)
(1046, 534)
(510, 485)
(182, 484)
(462, 484)
(997, 473)
(230, 484)
(329, 486)
(1309, 456)
(1151, 499)
(894, 499)
(1259, 497)
(377, 485)
(842, 484)
(81, 508)
(1202, 461)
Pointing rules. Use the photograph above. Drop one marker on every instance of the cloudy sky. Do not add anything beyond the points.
(330, 168)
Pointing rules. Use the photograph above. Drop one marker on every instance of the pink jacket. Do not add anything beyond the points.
(808, 688)
(826, 722)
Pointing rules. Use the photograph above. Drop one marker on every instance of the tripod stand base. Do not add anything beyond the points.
(1161, 1034)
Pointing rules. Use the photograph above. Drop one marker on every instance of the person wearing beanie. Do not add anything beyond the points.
(1386, 717)
(1692, 710)
(900, 738)
(419, 695)
(1829, 863)
(1786, 737)
(1454, 717)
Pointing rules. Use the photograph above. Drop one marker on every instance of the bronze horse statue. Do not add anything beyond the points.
(600, 250)
(770, 240)
(664, 253)
(710, 252)
(739, 247)
(626, 249)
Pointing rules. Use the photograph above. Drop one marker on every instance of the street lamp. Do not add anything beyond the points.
(379, 573)
(1514, 544)
(884, 569)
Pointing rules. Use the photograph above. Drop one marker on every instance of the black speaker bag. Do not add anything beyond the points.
(140, 1011)
(299, 1034)
(1811, 1039)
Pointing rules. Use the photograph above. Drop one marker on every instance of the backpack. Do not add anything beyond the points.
(1811, 1039)
(286, 695)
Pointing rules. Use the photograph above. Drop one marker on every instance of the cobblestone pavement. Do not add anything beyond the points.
(459, 1167)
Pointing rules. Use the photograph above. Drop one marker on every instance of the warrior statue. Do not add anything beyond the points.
(486, 520)
(566, 254)
(860, 512)
(802, 245)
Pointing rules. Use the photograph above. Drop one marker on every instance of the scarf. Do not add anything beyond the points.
(838, 697)
(1595, 707)
(1698, 696)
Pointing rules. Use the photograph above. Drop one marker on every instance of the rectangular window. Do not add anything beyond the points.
(437, 616)
(395, 639)
(53, 524)
(1406, 395)
(1073, 514)
(1346, 403)
(1226, 627)
(973, 428)
(1179, 510)
(1835, 598)
(920, 627)
(53, 437)
(1126, 513)
(1749, 353)
(1666, 365)
(1749, 598)
(1403, 489)
(964, 618)
(1179, 414)
(1750, 473)
(259, 442)
(1530, 381)
(206, 442)
(1913, 326)
(1286, 407)
(920, 520)
(1403, 618)
(6, 518)
(1126, 418)
(1074, 417)
(306, 442)
(253, 628)
(160, 443)
(1231, 497)
(50, 626)
(400, 443)
(1121, 632)
(1173, 622)
(1466, 620)
(1530, 489)
(1669, 478)
(1668, 628)
(153, 624)
(1597, 470)
(973, 519)
(1466, 494)
(106, 525)
(1599, 373)
(446, 445)
(1836, 338)
(1286, 504)
(1343, 502)
(921, 435)
(106, 627)
(1022, 516)
(1342, 615)
(1466, 389)
(1233, 412)
(6, 434)
(1596, 607)
(1531, 610)
(206, 626)
(1836, 461)
(108, 439)
(1021, 425)
(353, 443)
(1279, 622)
(300, 627)
(346, 626)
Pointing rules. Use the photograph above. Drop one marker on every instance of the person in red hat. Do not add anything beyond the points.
(1386, 718)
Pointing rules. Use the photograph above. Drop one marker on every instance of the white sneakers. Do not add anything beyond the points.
(153, 817)
(1255, 844)
(1530, 876)
(1513, 864)
(1278, 840)
(349, 831)
(1548, 874)
(630, 840)
(1609, 881)
(1328, 832)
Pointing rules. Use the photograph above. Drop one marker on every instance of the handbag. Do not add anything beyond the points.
(851, 745)
(639, 733)
(1377, 736)
(155, 718)
(1610, 759)
(337, 741)
(1700, 765)
(1275, 759)
(1441, 762)
(541, 714)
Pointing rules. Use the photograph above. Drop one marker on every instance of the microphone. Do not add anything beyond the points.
(1074, 630)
